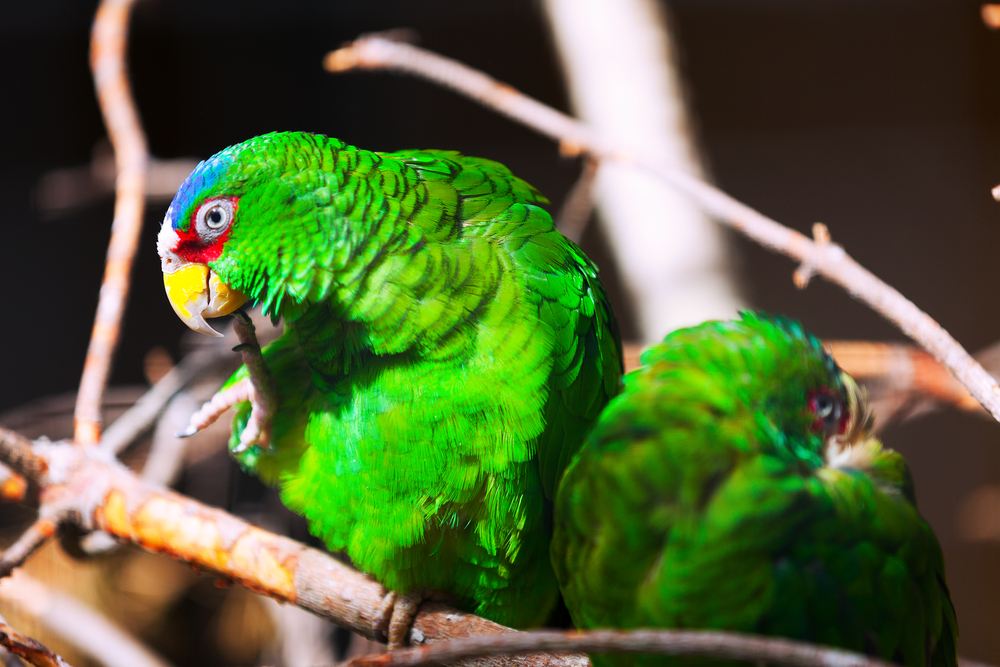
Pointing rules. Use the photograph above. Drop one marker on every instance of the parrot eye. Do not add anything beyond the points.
(828, 411)
(214, 215)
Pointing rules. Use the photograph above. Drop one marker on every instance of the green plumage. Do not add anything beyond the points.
(445, 352)
(713, 494)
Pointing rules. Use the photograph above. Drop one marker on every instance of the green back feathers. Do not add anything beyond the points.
(737, 507)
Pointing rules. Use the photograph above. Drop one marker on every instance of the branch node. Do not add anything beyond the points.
(807, 269)
(340, 60)
(569, 148)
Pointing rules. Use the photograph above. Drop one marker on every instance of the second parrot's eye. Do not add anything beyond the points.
(827, 410)
(214, 216)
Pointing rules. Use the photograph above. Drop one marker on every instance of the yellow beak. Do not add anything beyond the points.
(195, 292)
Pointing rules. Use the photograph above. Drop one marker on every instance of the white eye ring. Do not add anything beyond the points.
(216, 214)
(824, 406)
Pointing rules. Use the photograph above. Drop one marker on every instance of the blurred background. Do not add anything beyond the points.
(880, 118)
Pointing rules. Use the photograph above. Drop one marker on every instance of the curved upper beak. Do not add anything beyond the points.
(195, 292)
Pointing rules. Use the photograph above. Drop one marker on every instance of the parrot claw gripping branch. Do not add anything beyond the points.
(258, 388)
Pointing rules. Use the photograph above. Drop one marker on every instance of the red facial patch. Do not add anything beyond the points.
(193, 248)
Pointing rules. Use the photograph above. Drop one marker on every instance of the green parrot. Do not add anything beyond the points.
(735, 485)
(445, 352)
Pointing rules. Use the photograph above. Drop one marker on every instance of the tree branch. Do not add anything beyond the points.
(28, 648)
(37, 534)
(79, 624)
(210, 355)
(17, 452)
(824, 258)
(688, 643)
(107, 61)
(98, 493)
(579, 203)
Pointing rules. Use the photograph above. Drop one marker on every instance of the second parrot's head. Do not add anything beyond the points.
(233, 231)
(765, 371)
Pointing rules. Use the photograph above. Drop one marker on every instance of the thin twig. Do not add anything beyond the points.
(826, 259)
(907, 371)
(991, 16)
(29, 649)
(689, 643)
(211, 355)
(77, 623)
(127, 429)
(37, 534)
(13, 487)
(579, 204)
(17, 453)
(107, 61)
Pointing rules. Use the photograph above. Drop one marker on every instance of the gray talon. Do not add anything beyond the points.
(190, 430)
(242, 317)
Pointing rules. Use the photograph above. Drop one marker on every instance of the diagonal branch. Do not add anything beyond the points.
(84, 627)
(98, 493)
(32, 539)
(688, 643)
(826, 259)
(107, 61)
(127, 429)
(29, 649)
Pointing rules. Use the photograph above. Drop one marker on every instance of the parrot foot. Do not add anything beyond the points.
(395, 617)
(260, 389)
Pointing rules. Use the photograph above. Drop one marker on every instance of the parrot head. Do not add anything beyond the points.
(193, 236)
(772, 371)
(235, 229)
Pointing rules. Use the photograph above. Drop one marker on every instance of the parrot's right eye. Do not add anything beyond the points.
(827, 410)
(213, 216)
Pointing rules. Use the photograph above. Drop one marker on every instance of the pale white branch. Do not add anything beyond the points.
(826, 259)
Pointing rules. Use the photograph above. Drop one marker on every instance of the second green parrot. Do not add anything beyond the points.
(734, 485)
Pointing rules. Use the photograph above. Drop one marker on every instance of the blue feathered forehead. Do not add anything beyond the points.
(204, 177)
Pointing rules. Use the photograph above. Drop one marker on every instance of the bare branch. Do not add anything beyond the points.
(13, 487)
(211, 355)
(127, 429)
(16, 451)
(826, 259)
(576, 210)
(689, 643)
(101, 494)
(107, 61)
(28, 648)
(991, 17)
(37, 534)
(77, 623)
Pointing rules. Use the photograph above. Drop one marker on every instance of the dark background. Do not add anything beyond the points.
(879, 118)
